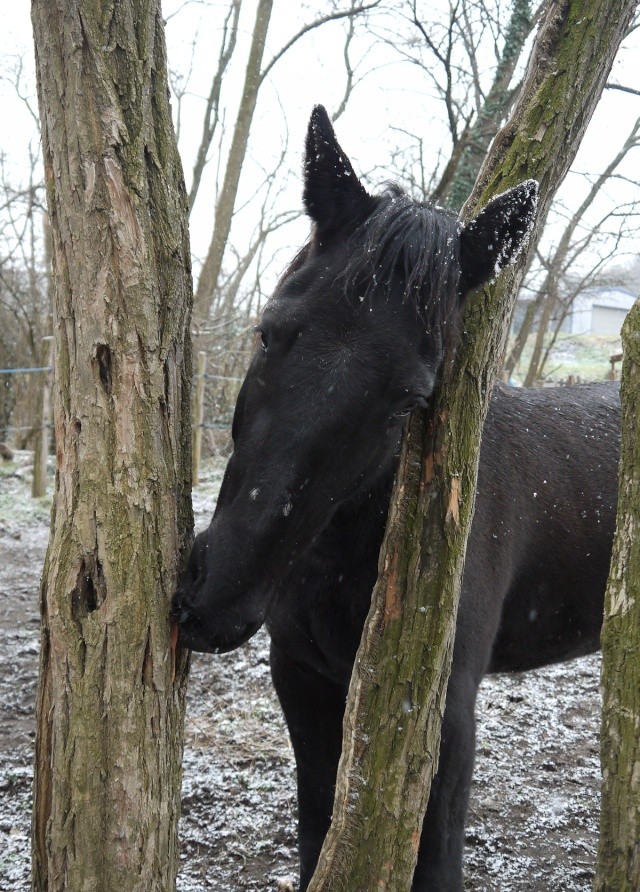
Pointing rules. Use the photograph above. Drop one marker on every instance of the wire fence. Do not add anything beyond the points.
(44, 368)
(220, 387)
(9, 429)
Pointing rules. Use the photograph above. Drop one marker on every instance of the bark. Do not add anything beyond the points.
(618, 867)
(396, 696)
(111, 695)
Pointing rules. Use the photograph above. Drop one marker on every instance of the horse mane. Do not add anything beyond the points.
(415, 241)
(412, 240)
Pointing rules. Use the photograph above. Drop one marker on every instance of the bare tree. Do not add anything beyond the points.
(24, 295)
(559, 287)
(211, 116)
(255, 75)
(445, 50)
(470, 148)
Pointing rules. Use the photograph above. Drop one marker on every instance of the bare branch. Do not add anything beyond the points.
(317, 23)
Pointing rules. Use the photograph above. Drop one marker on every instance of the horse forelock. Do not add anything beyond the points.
(416, 242)
(296, 264)
(404, 250)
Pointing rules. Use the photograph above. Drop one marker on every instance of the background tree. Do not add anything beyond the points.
(561, 283)
(255, 75)
(468, 59)
(618, 866)
(373, 838)
(110, 700)
(24, 298)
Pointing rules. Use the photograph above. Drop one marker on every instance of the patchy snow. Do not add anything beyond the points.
(534, 803)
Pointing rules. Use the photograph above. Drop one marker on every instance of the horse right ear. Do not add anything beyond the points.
(332, 191)
(495, 238)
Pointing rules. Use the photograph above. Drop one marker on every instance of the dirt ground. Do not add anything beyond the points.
(534, 809)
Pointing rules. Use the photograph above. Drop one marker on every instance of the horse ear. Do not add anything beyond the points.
(497, 235)
(331, 188)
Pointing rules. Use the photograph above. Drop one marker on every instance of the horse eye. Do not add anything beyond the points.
(264, 343)
(415, 403)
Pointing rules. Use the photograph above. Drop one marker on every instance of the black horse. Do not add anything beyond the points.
(351, 342)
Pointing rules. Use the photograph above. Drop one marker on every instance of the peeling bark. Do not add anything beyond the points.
(109, 711)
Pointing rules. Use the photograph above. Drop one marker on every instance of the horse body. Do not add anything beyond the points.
(532, 594)
(351, 342)
(538, 551)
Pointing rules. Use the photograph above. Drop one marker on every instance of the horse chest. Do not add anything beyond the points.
(321, 605)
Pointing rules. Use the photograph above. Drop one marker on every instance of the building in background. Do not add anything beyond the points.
(594, 311)
(599, 311)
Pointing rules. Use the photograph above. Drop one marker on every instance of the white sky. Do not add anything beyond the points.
(391, 98)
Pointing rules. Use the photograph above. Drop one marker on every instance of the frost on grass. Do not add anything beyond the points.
(534, 803)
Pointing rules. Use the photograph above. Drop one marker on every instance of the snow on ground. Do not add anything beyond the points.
(534, 805)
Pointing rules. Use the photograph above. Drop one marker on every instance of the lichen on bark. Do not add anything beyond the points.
(111, 701)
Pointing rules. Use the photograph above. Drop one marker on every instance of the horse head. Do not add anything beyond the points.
(351, 342)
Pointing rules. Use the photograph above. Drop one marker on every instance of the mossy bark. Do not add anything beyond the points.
(111, 697)
(398, 687)
(618, 868)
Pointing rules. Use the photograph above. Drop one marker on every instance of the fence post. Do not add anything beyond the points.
(41, 449)
(198, 415)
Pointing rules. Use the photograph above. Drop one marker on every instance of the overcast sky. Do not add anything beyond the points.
(389, 100)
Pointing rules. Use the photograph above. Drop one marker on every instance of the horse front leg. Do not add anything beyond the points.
(313, 708)
(439, 867)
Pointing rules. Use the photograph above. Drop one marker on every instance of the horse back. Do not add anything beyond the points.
(541, 540)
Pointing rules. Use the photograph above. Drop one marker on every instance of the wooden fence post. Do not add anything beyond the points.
(198, 415)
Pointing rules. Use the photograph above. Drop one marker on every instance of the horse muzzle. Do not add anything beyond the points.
(198, 634)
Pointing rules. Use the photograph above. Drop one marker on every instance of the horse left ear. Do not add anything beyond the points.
(496, 236)
(332, 191)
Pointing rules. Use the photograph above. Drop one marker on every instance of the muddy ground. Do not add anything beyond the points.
(534, 808)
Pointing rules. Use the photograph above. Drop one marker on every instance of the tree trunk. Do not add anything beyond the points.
(210, 273)
(520, 341)
(397, 694)
(549, 304)
(212, 110)
(43, 433)
(111, 696)
(618, 867)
